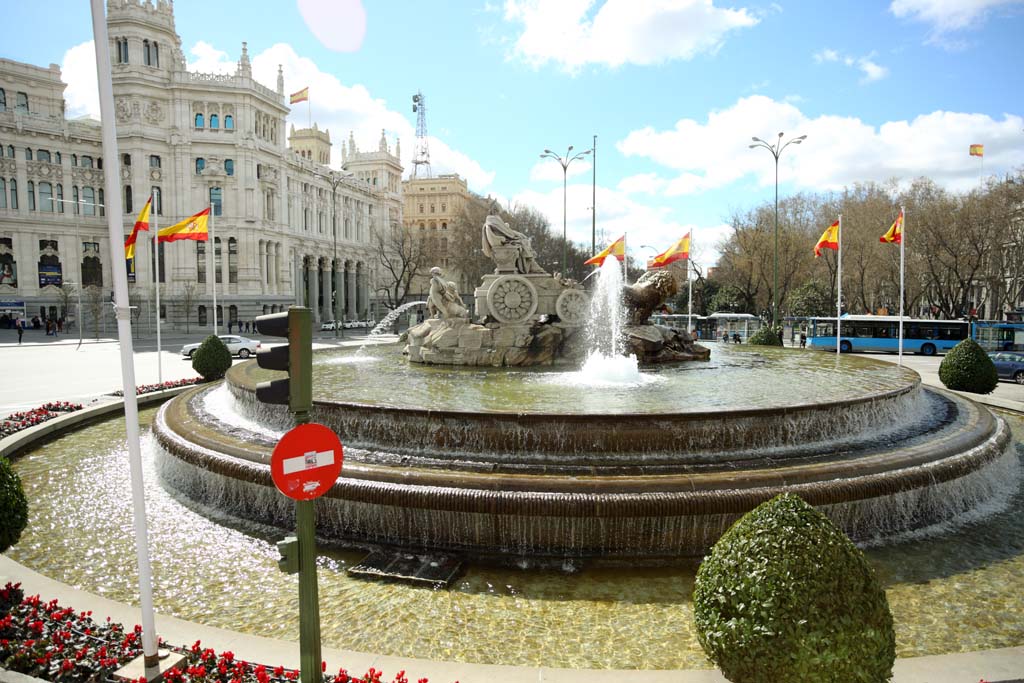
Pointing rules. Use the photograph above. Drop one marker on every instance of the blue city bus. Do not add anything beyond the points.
(881, 333)
(999, 335)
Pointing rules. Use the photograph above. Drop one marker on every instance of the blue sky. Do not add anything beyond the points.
(674, 89)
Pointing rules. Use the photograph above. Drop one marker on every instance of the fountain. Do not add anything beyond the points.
(509, 463)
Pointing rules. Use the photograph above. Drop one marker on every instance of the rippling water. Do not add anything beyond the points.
(958, 591)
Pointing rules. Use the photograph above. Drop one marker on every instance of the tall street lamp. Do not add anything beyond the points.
(776, 150)
(564, 161)
(334, 180)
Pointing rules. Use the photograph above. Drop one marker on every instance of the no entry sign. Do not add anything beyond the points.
(306, 462)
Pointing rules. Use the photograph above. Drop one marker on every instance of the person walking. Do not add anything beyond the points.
(21, 329)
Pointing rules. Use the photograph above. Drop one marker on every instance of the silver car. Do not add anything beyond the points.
(238, 346)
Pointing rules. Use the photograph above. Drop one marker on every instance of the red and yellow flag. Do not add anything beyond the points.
(192, 228)
(616, 249)
(895, 233)
(676, 252)
(977, 150)
(829, 239)
(141, 223)
(300, 96)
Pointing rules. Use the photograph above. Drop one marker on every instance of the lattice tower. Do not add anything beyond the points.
(421, 157)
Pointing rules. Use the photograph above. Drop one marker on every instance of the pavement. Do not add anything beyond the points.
(46, 368)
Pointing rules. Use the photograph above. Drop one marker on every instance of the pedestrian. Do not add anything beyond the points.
(803, 340)
(736, 338)
(60, 324)
(21, 329)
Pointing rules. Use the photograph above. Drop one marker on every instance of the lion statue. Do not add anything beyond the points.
(648, 294)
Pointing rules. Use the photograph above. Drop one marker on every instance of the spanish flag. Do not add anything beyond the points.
(300, 96)
(616, 249)
(977, 150)
(192, 228)
(829, 239)
(895, 233)
(676, 252)
(141, 223)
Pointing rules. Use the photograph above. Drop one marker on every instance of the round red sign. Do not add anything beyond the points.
(306, 461)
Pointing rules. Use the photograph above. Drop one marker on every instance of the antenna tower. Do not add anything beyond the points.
(421, 158)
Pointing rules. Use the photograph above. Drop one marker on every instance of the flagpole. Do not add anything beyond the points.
(839, 283)
(689, 286)
(216, 272)
(156, 284)
(903, 242)
(625, 260)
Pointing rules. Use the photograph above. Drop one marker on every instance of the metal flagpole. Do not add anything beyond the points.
(122, 310)
(689, 285)
(216, 271)
(156, 283)
(839, 282)
(903, 242)
(625, 260)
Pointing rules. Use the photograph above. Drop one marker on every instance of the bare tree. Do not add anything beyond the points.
(402, 255)
(95, 302)
(65, 292)
(187, 299)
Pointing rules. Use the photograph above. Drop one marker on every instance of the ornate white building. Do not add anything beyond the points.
(286, 229)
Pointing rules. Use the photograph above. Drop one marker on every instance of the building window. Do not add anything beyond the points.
(60, 198)
(216, 201)
(432, 206)
(214, 121)
(14, 193)
(3, 193)
(232, 261)
(163, 268)
(199, 120)
(154, 161)
(128, 199)
(202, 316)
(74, 199)
(92, 268)
(444, 207)
(421, 208)
(217, 275)
(74, 160)
(31, 196)
(42, 155)
(155, 53)
(259, 171)
(28, 154)
(10, 151)
(163, 311)
(56, 156)
(101, 203)
(126, 159)
(229, 122)
(85, 161)
(232, 313)
(3, 100)
(229, 166)
(46, 197)
(22, 106)
(158, 200)
(201, 262)
(88, 201)
(122, 50)
(99, 162)
(145, 53)
(200, 165)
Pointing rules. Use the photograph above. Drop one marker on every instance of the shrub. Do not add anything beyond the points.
(765, 336)
(785, 596)
(212, 359)
(968, 368)
(13, 506)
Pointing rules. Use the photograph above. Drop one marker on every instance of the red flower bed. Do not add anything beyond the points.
(58, 644)
(15, 422)
(172, 384)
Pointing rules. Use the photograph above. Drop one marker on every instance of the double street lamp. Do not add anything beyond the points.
(564, 161)
(776, 150)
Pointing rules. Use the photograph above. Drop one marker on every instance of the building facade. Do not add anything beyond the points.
(431, 207)
(285, 228)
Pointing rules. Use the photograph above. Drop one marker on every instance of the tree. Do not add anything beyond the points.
(65, 292)
(402, 254)
(187, 299)
(95, 303)
(811, 299)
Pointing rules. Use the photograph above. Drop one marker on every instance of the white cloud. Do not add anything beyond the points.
(210, 60)
(572, 34)
(947, 15)
(78, 70)
(339, 25)
(826, 55)
(839, 150)
(871, 69)
(549, 170)
(642, 183)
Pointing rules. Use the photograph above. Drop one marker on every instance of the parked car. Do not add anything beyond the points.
(328, 326)
(238, 346)
(1009, 365)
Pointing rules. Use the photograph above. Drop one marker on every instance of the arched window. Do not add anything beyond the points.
(232, 260)
(42, 155)
(200, 165)
(74, 160)
(10, 151)
(60, 198)
(158, 199)
(22, 105)
(92, 267)
(85, 161)
(126, 159)
(229, 166)
(266, 309)
(145, 53)
(128, 199)
(202, 316)
(88, 201)
(31, 196)
(214, 121)
(154, 161)
(3, 193)
(155, 53)
(229, 122)
(14, 193)
(122, 50)
(3, 100)
(46, 197)
(199, 120)
(56, 156)
(28, 153)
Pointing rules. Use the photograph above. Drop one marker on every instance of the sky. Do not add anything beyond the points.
(674, 90)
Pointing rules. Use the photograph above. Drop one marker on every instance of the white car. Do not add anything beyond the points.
(238, 346)
(327, 326)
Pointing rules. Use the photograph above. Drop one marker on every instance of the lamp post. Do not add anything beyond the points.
(334, 180)
(776, 151)
(564, 161)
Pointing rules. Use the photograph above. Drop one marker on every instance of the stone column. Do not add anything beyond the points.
(264, 271)
(350, 291)
(339, 294)
(275, 266)
(325, 292)
(312, 286)
(297, 279)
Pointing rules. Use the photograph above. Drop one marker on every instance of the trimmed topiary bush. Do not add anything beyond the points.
(212, 359)
(13, 506)
(785, 596)
(968, 368)
(765, 336)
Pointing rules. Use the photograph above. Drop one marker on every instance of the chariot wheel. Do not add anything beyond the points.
(571, 306)
(512, 299)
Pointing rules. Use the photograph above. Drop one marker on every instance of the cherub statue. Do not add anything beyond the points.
(444, 301)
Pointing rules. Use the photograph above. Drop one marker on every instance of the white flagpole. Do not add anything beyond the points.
(689, 284)
(903, 243)
(625, 260)
(839, 283)
(216, 270)
(122, 311)
(156, 284)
